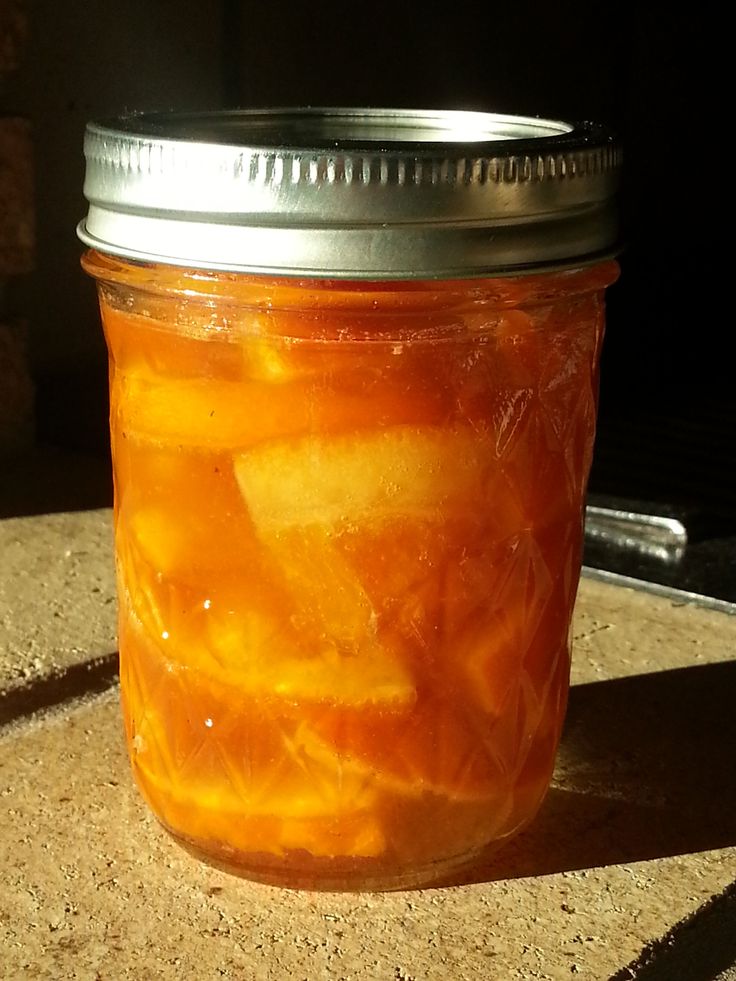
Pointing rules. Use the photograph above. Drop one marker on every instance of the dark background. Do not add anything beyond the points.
(667, 405)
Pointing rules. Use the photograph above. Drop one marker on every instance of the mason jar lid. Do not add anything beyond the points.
(352, 193)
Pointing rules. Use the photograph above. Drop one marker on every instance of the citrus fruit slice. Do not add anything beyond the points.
(242, 637)
(242, 777)
(433, 748)
(327, 480)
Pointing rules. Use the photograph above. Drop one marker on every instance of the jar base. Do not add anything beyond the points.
(340, 874)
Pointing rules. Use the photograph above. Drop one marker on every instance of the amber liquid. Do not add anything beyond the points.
(348, 529)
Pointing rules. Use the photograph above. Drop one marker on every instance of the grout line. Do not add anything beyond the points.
(88, 678)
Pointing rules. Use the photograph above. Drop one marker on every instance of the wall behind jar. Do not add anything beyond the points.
(90, 60)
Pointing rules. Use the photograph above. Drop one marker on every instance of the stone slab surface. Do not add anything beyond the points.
(57, 593)
(93, 888)
(636, 837)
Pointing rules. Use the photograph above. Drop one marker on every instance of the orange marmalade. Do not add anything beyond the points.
(348, 522)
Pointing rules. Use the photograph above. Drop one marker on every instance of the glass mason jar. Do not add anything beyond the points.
(353, 369)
